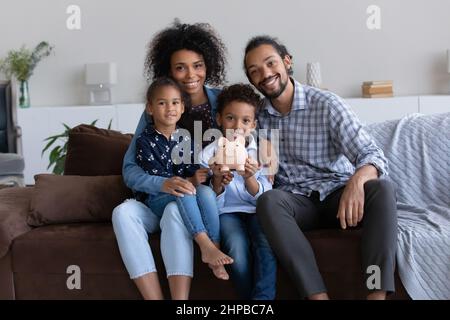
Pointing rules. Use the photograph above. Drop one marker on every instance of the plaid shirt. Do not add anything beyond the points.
(321, 142)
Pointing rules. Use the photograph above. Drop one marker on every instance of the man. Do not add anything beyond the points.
(328, 173)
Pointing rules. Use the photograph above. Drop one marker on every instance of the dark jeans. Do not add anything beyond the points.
(284, 216)
(254, 269)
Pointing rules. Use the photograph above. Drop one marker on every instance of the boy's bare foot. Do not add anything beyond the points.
(377, 295)
(215, 257)
(219, 272)
(319, 296)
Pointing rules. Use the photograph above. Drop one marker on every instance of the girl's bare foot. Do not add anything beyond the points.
(211, 254)
(219, 272)
(215, 257)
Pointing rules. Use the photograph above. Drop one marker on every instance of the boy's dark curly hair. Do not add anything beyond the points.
(199, 37)
(238, 92)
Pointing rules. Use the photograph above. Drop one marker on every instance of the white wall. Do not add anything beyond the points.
(409, 48)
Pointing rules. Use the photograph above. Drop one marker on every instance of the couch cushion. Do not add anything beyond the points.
(95, 152)
(66, 199)
(92, 247)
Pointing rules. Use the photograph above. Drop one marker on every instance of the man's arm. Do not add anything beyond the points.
(350, 138)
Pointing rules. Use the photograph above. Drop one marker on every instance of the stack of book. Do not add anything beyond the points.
(377, 89)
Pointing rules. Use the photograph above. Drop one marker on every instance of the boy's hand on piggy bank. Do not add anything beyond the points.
(216, 170)
(251, 167)
(227, 178)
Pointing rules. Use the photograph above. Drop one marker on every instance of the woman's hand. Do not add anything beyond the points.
(178, 187)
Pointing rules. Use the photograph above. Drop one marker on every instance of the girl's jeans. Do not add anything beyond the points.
(199, 212)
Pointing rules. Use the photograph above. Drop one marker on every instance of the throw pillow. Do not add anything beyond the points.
(68, 199)
(92, 151)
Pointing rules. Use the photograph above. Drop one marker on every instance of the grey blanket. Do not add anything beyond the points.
(418, 151)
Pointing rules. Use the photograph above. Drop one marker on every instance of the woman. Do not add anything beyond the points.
(194, 56)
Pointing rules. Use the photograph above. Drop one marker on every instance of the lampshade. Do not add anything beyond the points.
(101, 74)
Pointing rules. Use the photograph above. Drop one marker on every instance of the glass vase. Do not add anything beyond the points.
(24, 94)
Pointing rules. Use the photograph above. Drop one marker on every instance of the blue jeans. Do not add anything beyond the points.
(199, 212)
(254, 270)
(133, 221)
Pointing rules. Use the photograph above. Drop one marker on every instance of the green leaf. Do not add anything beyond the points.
(56, 136)
(67, 127)
(55, 154)
(21, 63)
(94, 122)
(59, 166)
(53, 139)
(109, 124)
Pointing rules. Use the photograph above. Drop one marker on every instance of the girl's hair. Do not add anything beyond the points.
(238, 92)
(274, 42)
(199, 37)
(166, 82)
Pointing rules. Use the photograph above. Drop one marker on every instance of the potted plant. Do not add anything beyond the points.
(57, 155)
(21, 64)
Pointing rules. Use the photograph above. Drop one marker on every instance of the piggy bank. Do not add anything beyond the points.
(230, 154)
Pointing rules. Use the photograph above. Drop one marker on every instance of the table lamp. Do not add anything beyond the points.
(99, 79)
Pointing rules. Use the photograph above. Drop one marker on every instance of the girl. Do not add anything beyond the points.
(194, 56)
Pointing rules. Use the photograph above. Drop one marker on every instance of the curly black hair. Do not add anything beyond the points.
(257, 41)
(238, 92)
(199, 37)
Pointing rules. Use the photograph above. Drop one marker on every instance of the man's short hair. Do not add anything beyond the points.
(274, 42)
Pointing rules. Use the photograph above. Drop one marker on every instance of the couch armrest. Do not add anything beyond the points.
(14, 207)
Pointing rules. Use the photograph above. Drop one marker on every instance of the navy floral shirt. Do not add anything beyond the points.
(153, 154)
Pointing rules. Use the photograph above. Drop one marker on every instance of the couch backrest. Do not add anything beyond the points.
(92, 151)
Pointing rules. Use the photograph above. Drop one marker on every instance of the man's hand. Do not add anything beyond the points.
(178, 187)
(251, 167)
(199, 176)
(351, 205)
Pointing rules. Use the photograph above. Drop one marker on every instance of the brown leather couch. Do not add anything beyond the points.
(34, 261)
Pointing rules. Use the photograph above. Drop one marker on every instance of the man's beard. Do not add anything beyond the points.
(277, 93)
